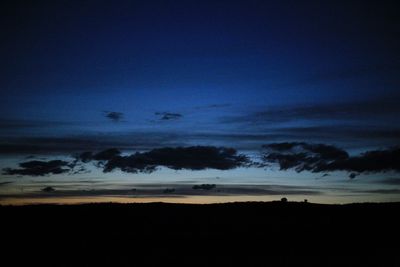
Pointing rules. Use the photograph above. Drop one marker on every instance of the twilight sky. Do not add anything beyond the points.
(264, 99)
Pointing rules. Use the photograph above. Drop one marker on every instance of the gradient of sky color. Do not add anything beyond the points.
(139, 75)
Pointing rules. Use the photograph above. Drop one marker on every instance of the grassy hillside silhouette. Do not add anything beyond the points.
(243, 234)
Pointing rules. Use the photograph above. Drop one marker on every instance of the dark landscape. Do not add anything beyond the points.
(241, 234)
(285, 112)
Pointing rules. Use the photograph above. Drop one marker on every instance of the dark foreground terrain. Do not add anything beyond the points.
(240, 234)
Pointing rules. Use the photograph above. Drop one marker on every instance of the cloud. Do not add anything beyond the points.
(204, 186)
(178, 158)
(89, 142)
(301, 156)
(114, 116)
(107, 154)
(39, 168)
(165, 190)
(101, 157)
(380, 107)
(15, 124)
(382, 191)
(326, 158)
(48, 189)
(370, 161)
(166, 116)
(390, 181)
(214, 106)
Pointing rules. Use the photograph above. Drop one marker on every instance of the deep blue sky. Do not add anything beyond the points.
(177, 73)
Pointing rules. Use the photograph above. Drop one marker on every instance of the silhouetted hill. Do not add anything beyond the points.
(243, 234)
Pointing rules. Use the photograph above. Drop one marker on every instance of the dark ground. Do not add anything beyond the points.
(240, 234)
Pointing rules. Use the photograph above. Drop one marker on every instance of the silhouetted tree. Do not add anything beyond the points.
(284, 199)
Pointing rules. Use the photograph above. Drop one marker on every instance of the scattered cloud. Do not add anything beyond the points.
(385, 106)
(326, 158)
(370, 161)
(167, 116)
(89, 142)
(390, 181)
(39, 168)
(20, 127)
(107, 154)
(177, 190)
(214, 106)
(191, 158)
(113, 115)
(382, 191)
(301, 156)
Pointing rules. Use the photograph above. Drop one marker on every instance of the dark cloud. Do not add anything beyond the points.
(301, 156)
(101, 157)
(90, 142)
(114, 116)
(352, 175)
(4, 183)
(16, 124)
(85, 157)
(107, 154)
(340, 132)
(204, 186)
(327, 152)
(177, 190)
(245, 138)
(48, 189)
(382, 191)
(370, 161)
(214, 106)
(39, 168)
(191, 158)
(37, 145)
(326, 158)
(166, 116)
(390, 181)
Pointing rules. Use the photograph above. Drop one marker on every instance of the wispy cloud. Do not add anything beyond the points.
(386, 107)
(89, 142)
(173, 190)
(10, 125)
(214, 106)
(390, 181)
(113, 115)
(167, 116)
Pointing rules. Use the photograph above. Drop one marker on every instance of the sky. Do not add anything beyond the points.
(141, 101)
